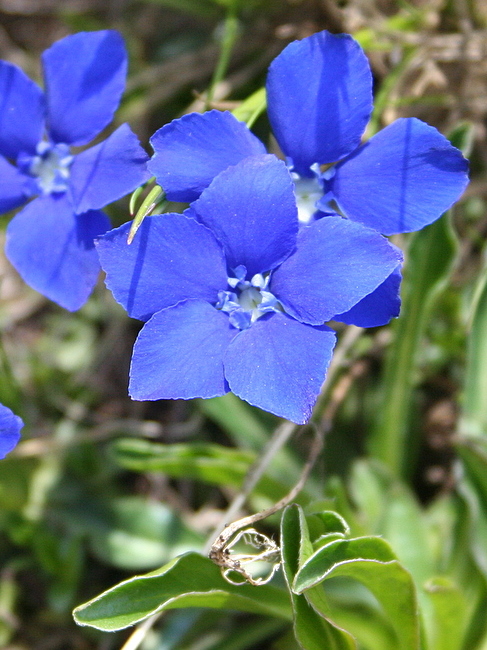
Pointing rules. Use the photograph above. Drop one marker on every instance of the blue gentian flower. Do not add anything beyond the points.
(50, 242)
(235, 295)
(10, 426)
(319, 97)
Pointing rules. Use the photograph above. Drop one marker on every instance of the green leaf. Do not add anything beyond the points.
(131, 533)
(330, 521)
(404, 527)
(325, 559)
(474, 414)
(369, 560)
(361, 617)
(237, 419)
(369, 487)
(188, 581)
(9, 593)
(312, 631)
(446, 630)
(250, 109)
(473, 452)
(462, 136)
(210, 463)
(15, 477)
(315, 633)
(430, 258)
(155, 195)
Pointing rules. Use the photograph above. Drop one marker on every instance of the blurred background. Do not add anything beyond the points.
(87, 500)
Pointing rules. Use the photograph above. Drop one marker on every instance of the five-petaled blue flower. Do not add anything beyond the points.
(319, 97)
(10, 426)
(50, 242)
(235, 296)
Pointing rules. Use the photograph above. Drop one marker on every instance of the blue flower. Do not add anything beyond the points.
(50, 242)
(10, 426)
(319, 96)
(235, 295)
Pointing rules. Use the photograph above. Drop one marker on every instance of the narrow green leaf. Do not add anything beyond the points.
(474, 415)
(15, 477)
(250, 109)
(209, 463)
(131, 533)
(243, 637)
(449, 614)
(312, 631)
(155, 196)
(473, 452)
(237, 418)
(370, 561)
(369, 487)
(405, 529)
(462, 136)
(188, 581)
(430, 259)
(134, 197)
(228, 36)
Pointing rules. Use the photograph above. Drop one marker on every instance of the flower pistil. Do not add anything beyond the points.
(49, 166)
(249, 299)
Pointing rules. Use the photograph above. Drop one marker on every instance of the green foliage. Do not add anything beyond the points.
(209, 463)
(187, 581)
(377, 555)
(431, 256)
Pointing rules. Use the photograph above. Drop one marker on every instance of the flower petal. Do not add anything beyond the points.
(172, 258)
(53, 249)
(85, 78)
(337, 263)
(252, 211)
(319, 97)
(279, 364)
(378, 307)
(404, 178)
(179, 353)
(14, 187)
(108, 171)
(191, 151)
(21, 112)
(10, 426)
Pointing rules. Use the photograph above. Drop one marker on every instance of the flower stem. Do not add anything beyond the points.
(282, 434)
(228, 39)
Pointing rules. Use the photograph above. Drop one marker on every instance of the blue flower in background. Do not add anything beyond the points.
(235, 295)
(50, 242)
(10, 426)
(319, 96)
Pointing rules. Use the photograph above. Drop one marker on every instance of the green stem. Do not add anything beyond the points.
(10, 393)
(229, 37)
